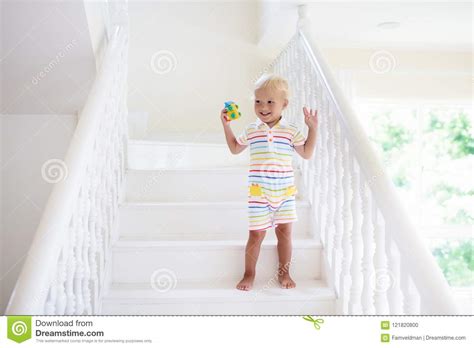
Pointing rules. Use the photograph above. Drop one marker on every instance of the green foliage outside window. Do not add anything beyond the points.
(456, 261)
(429, 154)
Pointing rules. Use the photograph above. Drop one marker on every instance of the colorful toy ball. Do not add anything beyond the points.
(233, 112)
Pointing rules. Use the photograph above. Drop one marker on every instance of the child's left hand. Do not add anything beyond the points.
(310, 117)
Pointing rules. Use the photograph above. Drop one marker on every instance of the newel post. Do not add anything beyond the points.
(303, 18)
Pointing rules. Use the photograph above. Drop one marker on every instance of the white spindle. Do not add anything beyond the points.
(86, 290)
(338, 202)
(355, 304)
(50, 305)
(71, 267)
(62, 274)
(79, 252)
(391, 279)
(323, 124)
(345, 280)
(367, 260)
(410, 295)
(380, 261)
(330, 228)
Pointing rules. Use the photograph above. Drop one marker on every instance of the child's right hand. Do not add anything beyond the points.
(224, 119)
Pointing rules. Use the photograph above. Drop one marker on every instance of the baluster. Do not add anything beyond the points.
(391, 279)
(71, 265)
(345, 279)
(101, 221)
(86, 242)
(411, 301)
(110, 195)
(329, 231)
(317, 167)
(324, 182)
(61, 299)
(380, 261)
(49, 306)
(368, 245)
(94, 231)
(79, 276)
(355, 304)
(338, 201)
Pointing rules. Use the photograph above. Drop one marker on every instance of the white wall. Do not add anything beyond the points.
(213, 56)
(2, 247)
(27, 142)
(44, 43)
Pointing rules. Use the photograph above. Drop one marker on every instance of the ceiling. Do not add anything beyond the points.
(434, 25)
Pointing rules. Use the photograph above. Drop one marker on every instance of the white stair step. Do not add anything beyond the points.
(190, 184)
(220, 298)
(197, 220)
(148, 155)
(139, 261)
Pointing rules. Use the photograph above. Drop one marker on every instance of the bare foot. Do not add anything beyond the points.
(246, 282)
(286, 281)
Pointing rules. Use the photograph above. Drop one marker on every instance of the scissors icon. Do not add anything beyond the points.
(315, 322)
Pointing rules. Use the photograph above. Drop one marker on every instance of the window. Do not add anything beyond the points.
(428, 151)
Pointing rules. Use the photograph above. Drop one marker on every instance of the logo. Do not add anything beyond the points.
(19, 328)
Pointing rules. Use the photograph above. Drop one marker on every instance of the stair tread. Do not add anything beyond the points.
(222, 290)
(237, 243)
(178, 142)
(201, 237)
(240, 203)
(231, 168)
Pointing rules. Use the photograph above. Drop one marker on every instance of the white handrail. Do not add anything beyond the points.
(58, 275)
(344, 149)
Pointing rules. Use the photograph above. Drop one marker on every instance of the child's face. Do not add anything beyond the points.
(269, 104)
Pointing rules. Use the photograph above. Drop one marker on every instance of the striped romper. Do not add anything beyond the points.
(272, 190)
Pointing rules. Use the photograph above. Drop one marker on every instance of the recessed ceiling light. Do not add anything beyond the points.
(388, 25)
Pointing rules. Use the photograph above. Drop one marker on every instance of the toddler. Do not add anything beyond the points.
(271, 196)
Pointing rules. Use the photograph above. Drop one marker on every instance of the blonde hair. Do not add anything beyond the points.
(273, 82)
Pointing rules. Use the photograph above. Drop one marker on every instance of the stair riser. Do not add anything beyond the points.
(175, 222)
(148, 264)
(189, 185)
(155, 155)
(320, 307)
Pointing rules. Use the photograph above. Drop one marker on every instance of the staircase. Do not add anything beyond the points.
(182, 242)
(159, 227)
